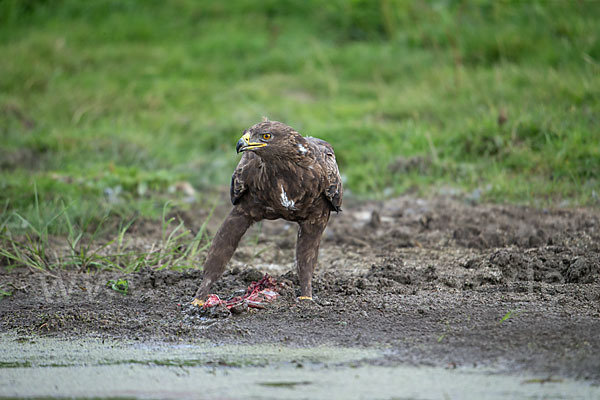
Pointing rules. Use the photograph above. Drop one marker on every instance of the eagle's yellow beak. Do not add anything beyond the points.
(244, 144)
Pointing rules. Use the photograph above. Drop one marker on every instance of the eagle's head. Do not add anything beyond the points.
(272, 139)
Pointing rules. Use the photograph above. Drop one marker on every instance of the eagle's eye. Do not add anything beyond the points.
(266, 136)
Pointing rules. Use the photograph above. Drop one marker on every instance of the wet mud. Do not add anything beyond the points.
(121, 369)
(439, 282)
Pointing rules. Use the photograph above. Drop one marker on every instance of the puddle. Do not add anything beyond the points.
(85, 368)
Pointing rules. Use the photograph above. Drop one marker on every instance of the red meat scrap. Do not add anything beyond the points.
(257, 295)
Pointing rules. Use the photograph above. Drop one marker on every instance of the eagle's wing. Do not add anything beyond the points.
(334, 191)
(333, 185)
(239, 183)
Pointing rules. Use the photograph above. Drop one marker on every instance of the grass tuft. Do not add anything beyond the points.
(178, 248)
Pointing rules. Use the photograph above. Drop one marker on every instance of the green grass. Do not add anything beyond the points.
(94, 246)
(106, 105)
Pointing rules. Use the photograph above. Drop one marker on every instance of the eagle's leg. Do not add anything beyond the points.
(222, 248)
(307, 251)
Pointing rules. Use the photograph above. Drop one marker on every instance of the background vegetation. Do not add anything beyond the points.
(115, 106)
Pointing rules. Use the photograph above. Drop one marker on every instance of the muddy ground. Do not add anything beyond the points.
(437, 281)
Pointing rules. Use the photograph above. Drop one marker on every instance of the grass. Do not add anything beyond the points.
(508, 315)
(4, 293)
(86, 249)
(119, 285)
(111, 107)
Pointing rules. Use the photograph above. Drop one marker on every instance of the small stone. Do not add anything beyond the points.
(239, 308)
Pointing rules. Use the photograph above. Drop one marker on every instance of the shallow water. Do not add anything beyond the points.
(81, 368)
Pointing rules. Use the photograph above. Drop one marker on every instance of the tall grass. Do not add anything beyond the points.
(87, 250)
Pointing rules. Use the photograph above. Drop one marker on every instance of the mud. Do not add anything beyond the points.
(439, 282)
(119, 369)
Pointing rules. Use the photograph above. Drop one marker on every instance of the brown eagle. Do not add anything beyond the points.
(281, 175)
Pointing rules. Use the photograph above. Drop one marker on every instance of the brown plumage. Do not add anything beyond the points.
(281, 175)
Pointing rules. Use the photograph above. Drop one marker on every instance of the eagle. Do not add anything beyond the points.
(281, 174)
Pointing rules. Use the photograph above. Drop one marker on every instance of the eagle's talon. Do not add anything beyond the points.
(197, 302)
